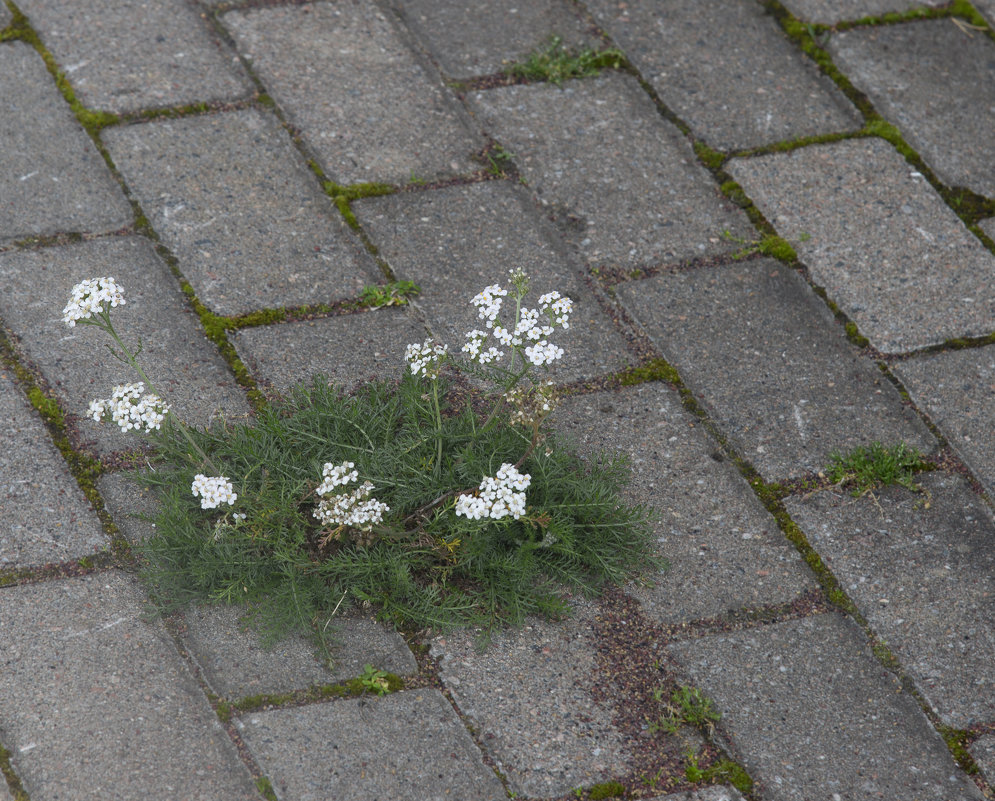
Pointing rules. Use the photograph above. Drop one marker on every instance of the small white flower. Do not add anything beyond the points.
(497, 497)
(355, 509)
(130, 409)
(336, 476)
(88, 298)
(426, 359)
(488, 303)
(543, 353)
(213, 491)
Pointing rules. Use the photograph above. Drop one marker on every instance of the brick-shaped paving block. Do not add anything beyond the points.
(957, 390)
(770, 363)
(924, 578)
(231, 197)
(366, 105)
(726, 68)
(349, 349)
(880, 240)
(936, 82)
(483, 38)
(46, 516)
(125, 55)
(454, 242)
(131, 506)
(186, 368)
(528, 694)
(829, 11)
(51, 176)
(711, 793)
(237, 663)
(983, 751)
(812, 714)
(622, 181)
(724, 549)
(407, 746)
(95, 696)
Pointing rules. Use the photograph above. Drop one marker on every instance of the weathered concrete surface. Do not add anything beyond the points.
(924, 578)
(879, 239)
(79, 656)
(936, 82)
(123, 55)
(51, 176)
(232, 199)
(829, 11)
(727, 70)
(812, 714)
(366, 105)
(622, 182)
(769, 361)
(407, 746)
(983, 751)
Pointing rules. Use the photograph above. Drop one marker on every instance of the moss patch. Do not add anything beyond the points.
(13, 781)
(653, 370)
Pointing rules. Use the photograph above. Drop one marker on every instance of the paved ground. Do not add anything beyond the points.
(215, 158)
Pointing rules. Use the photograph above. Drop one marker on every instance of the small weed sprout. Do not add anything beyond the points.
(867, 468)
(435, 506)
(686, 706)
(374, 681)
(393, 294)
(557, 63)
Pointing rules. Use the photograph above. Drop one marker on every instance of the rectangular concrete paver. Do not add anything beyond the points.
(52, 178)
(957, 390)
(812, 714)
(988, 226)
(482, 38)
(529, 695)
(348, 349)
(186, 368)
(366, 106)
(46, 517)
(726, 68)
(622, 181)
(407, 746)
(936, 82)
(829, 11)
(233, 200)
(724, 550)
(983, 751)
(125, 55)
(97, 703)
(454, 242)
(925, 580)
(880, 240)
(710, 793)
(771, 364)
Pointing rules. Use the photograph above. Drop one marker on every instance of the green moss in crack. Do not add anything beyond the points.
(265, 788)
(47, 407)
(713, 159)
(957, 741)
(854, 335)
(13, 781)
(611, 789)
(653, 370)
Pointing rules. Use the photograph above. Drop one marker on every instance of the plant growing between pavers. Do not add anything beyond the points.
(557, 63)
(434, 502)
(867, 468)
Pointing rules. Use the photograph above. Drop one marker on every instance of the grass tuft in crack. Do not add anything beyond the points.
(557, 63)
(867, 468)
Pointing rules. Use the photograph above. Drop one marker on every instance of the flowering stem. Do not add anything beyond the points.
(438, 426)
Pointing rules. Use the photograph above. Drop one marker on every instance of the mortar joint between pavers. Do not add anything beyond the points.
(14, 783)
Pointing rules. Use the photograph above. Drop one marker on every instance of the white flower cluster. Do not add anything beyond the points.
(426, 359)
(213, 491)
(130, 409)
(89, 297)
(355, 509)
(498, 497)
(528, 329)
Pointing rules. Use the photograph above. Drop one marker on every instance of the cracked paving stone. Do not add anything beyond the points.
(810, 713)
(126, 55)
(770, 363)
(878, 237)
(622, 182)
(367, 106)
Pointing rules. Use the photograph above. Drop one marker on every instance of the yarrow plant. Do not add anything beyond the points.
(430, 499)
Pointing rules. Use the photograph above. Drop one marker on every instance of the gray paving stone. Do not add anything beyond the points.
(349, 349)
(712, 793)
(768, 360)
(957, 390)
(177, 356)
(881, 241)
(408, 746)
(622, 181)
(529, 696)
(5, 16)
(983, 751)
(987, 9)
(923, 578)
(727, 70)
(46, 516)
(482, 38)
(131, 505)
(237, 665)
(366, 106)
(812, 714)
(988, 226)
(830, 11)
(96, 697)
(454, 242)
(936, 82)
(51, 176)
(230, 196)
(725, 550)
(125, 55)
